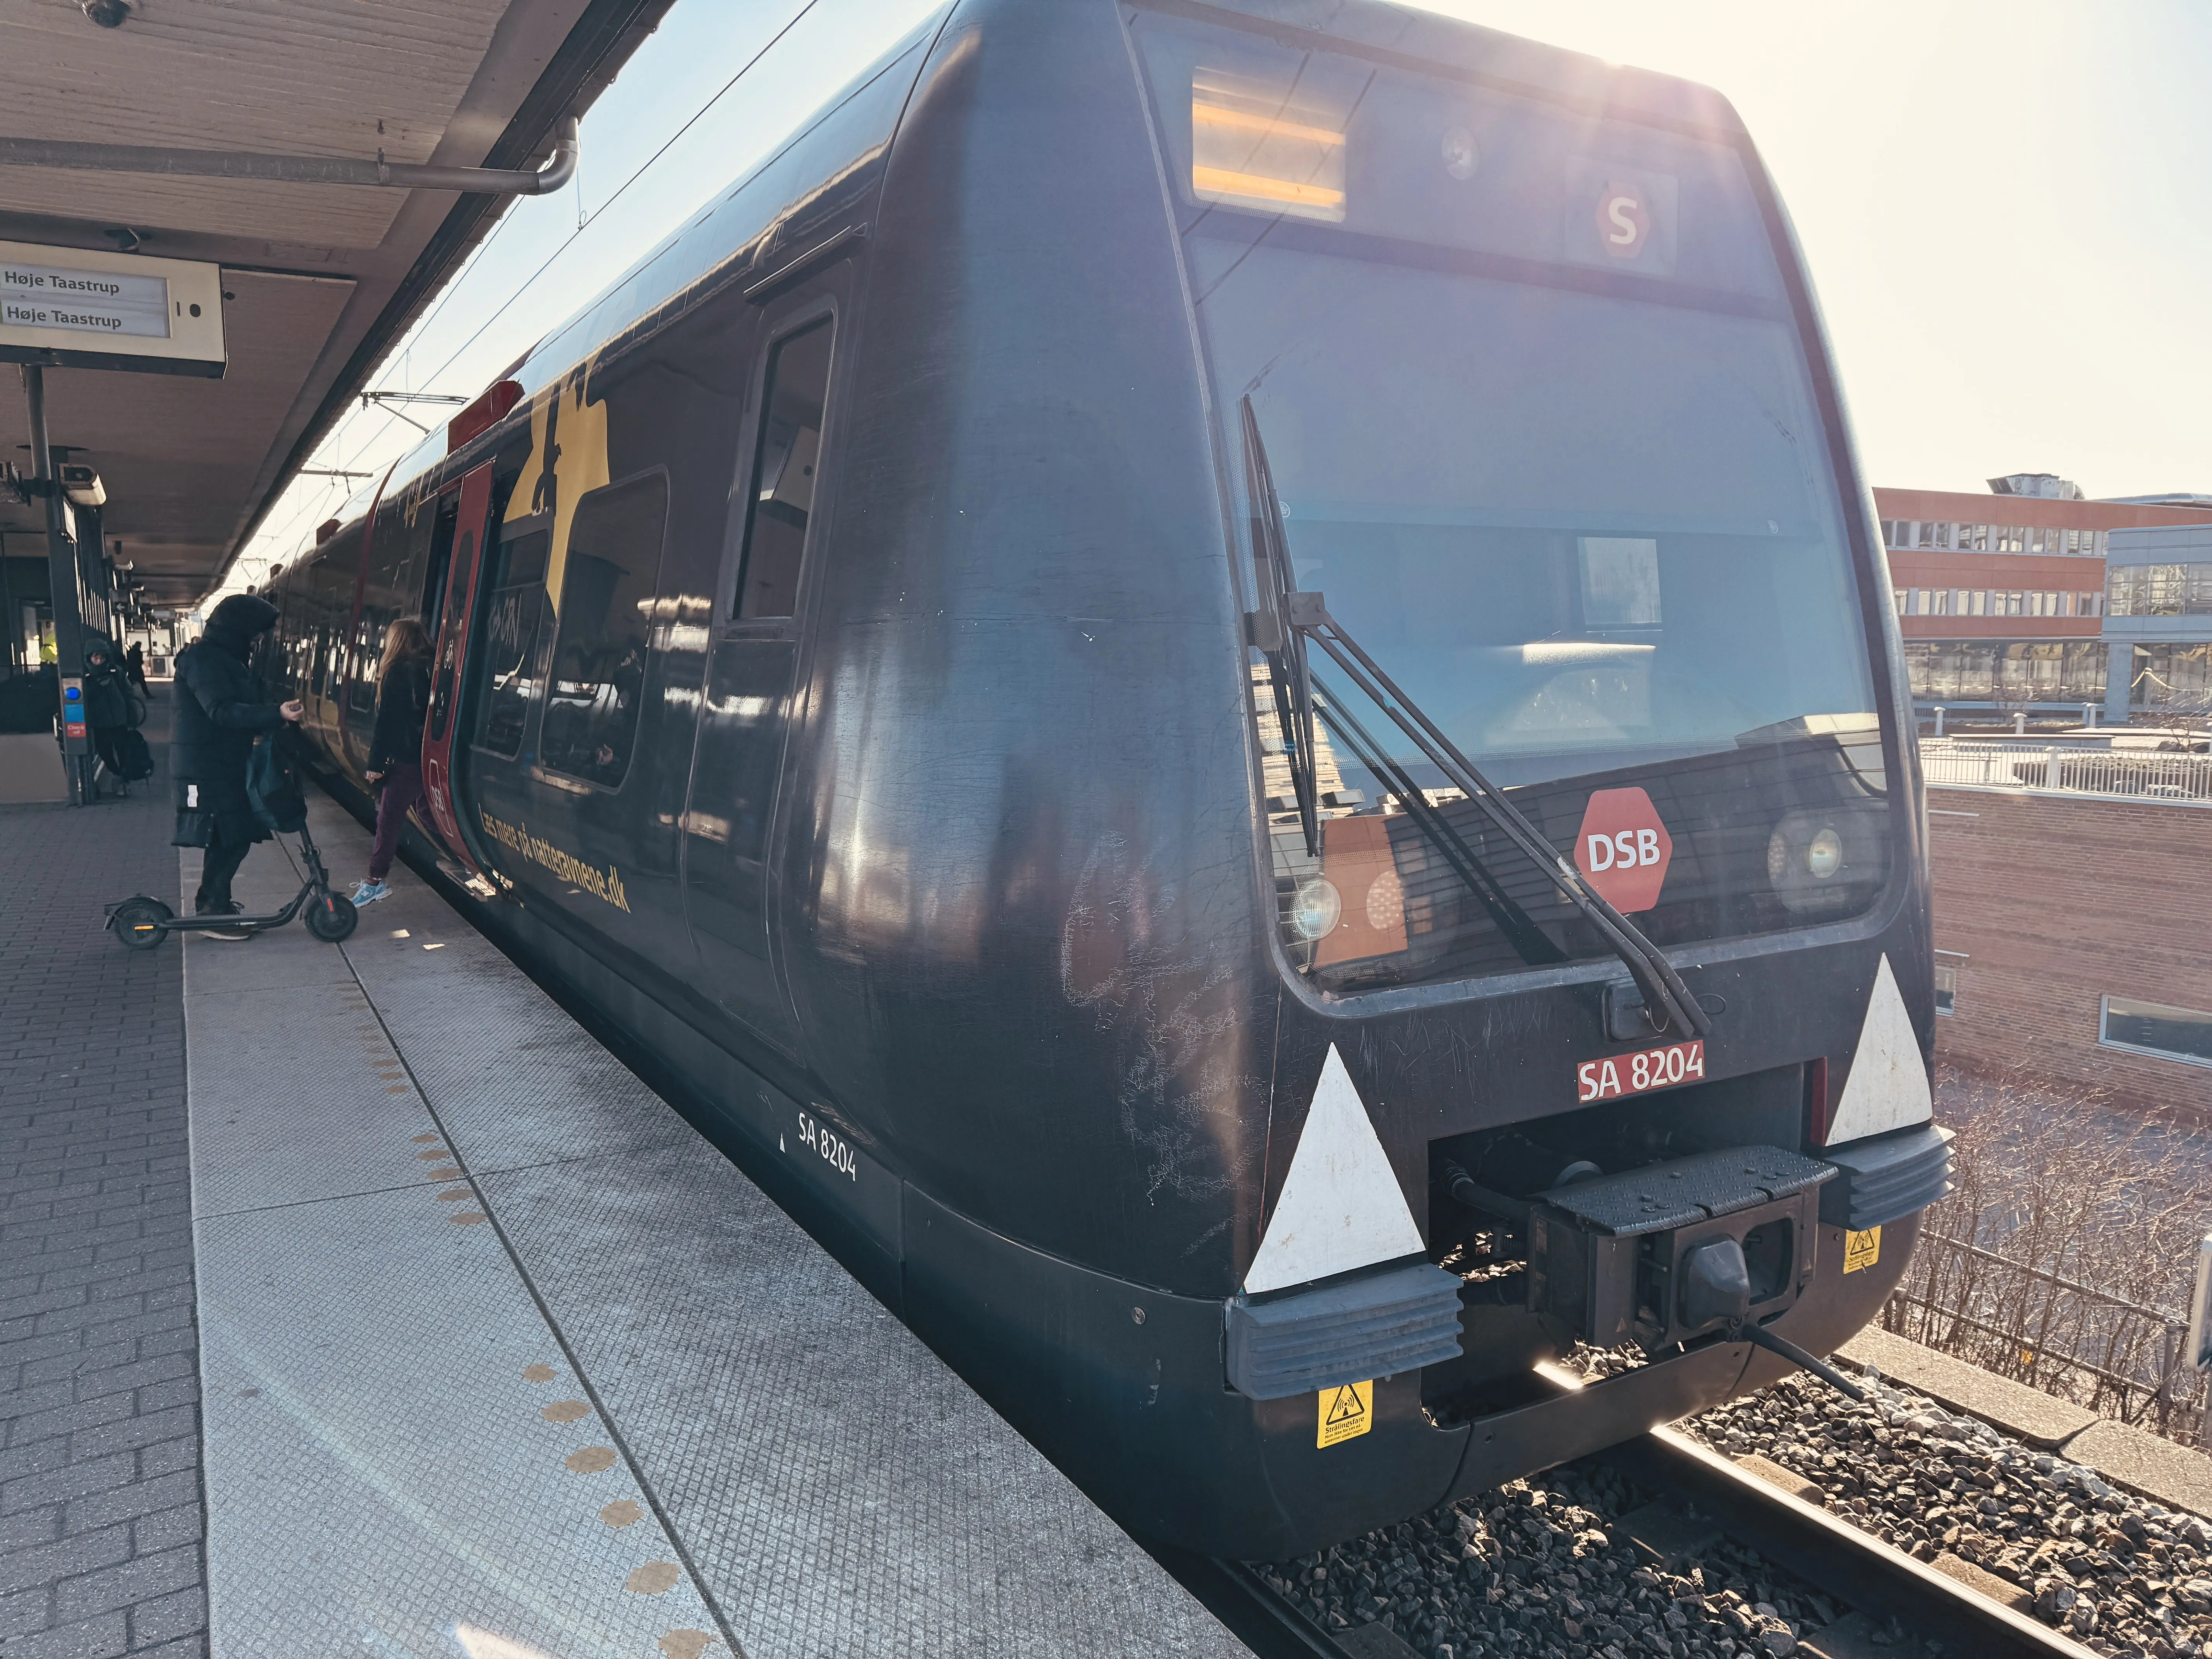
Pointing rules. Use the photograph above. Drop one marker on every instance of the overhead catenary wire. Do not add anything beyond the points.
(337, 438)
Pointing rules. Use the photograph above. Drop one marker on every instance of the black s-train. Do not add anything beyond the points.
(850, 678)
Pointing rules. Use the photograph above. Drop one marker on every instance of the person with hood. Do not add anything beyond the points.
(395, 749)
(134, 665)
(220, 706)
(107, 708)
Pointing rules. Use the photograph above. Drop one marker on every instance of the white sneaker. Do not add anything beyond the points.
(369, 891)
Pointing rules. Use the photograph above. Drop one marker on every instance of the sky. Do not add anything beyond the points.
(2006, 205)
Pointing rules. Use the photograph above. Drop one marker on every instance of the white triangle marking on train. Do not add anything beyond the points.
(1888, 1084)
(1341, 1205)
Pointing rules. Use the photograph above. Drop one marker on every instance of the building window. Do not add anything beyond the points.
(1946, 990)
(2154, 1028)
(2010, 538)
(1919, 601)
(1974, 538)
(1982, 602)
(2172, 679)
(2160, 590)
(2093, 605)
(1958, 671)
(1901, 597)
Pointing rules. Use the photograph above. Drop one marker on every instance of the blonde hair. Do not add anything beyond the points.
(404, 638)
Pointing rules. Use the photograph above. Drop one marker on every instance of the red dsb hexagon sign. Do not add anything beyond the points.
(1623, 848)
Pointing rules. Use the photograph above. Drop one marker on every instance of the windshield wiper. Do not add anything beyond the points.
(1292, 618)
(1533, 945)
(1283, 649)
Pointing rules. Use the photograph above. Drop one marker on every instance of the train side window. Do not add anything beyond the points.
(597, 687)
(515, 616)
(780, 499)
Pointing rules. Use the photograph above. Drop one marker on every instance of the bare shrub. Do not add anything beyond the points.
(2064, 1257)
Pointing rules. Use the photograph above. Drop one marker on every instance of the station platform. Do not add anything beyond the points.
(500, 1357)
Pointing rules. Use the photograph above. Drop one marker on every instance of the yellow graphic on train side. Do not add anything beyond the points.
(1862, 1250)
(585, 877)
(568, 461)
(1346, 1412)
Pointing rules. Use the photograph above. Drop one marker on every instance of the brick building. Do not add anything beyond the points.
(2070, 938)
(2002, 598)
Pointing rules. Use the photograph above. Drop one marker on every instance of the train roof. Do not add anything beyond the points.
(748, 226)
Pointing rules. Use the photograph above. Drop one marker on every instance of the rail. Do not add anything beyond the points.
(2114, 774)
(1853, 1566)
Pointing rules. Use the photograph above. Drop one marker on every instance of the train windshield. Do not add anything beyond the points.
(1541, 429)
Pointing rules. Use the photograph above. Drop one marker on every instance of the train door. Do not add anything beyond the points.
(752, 665)
(376, 581)
(456, 613)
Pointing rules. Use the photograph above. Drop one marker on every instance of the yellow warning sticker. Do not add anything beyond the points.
(1862, 1250)
(1345, 1412)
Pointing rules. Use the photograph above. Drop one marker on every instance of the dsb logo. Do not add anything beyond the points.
(1623, 848)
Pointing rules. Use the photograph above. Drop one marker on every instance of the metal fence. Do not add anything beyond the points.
(2070, 1340)
(2119, 773)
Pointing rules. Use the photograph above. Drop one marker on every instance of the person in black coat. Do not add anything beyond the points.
(107, 708)
(134, 665)
(220, 706)
(395, 749)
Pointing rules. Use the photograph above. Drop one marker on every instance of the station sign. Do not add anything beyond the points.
(74, 307)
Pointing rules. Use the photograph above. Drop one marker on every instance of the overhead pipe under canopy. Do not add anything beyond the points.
(297, 169)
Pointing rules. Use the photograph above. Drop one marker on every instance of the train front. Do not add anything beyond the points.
(1589, 807)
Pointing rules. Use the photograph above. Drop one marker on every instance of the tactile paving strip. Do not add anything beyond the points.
(837, 1489)
(843, 1490)
(378, 1467)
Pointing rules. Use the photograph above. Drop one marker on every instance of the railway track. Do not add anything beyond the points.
(1869, 1577)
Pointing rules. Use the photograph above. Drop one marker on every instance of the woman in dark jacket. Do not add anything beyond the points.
(219, 708)
(395, 752)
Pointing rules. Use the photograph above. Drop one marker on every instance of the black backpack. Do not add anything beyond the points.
(272, 782)
(133, 759)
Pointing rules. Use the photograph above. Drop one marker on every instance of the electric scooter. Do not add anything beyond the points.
(141, 921)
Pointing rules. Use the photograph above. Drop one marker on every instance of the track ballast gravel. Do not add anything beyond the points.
(2117, 1572)
(1542, 1567)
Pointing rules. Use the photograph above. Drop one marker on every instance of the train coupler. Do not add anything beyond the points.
(1675, 1251)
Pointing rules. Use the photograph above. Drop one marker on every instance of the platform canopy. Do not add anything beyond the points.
(319, 280)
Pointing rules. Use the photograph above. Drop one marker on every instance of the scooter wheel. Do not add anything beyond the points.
(331, 918)
(137, 922)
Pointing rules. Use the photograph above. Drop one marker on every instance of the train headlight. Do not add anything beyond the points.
(1806, 865)
(1825, 854)
(1316, 909)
